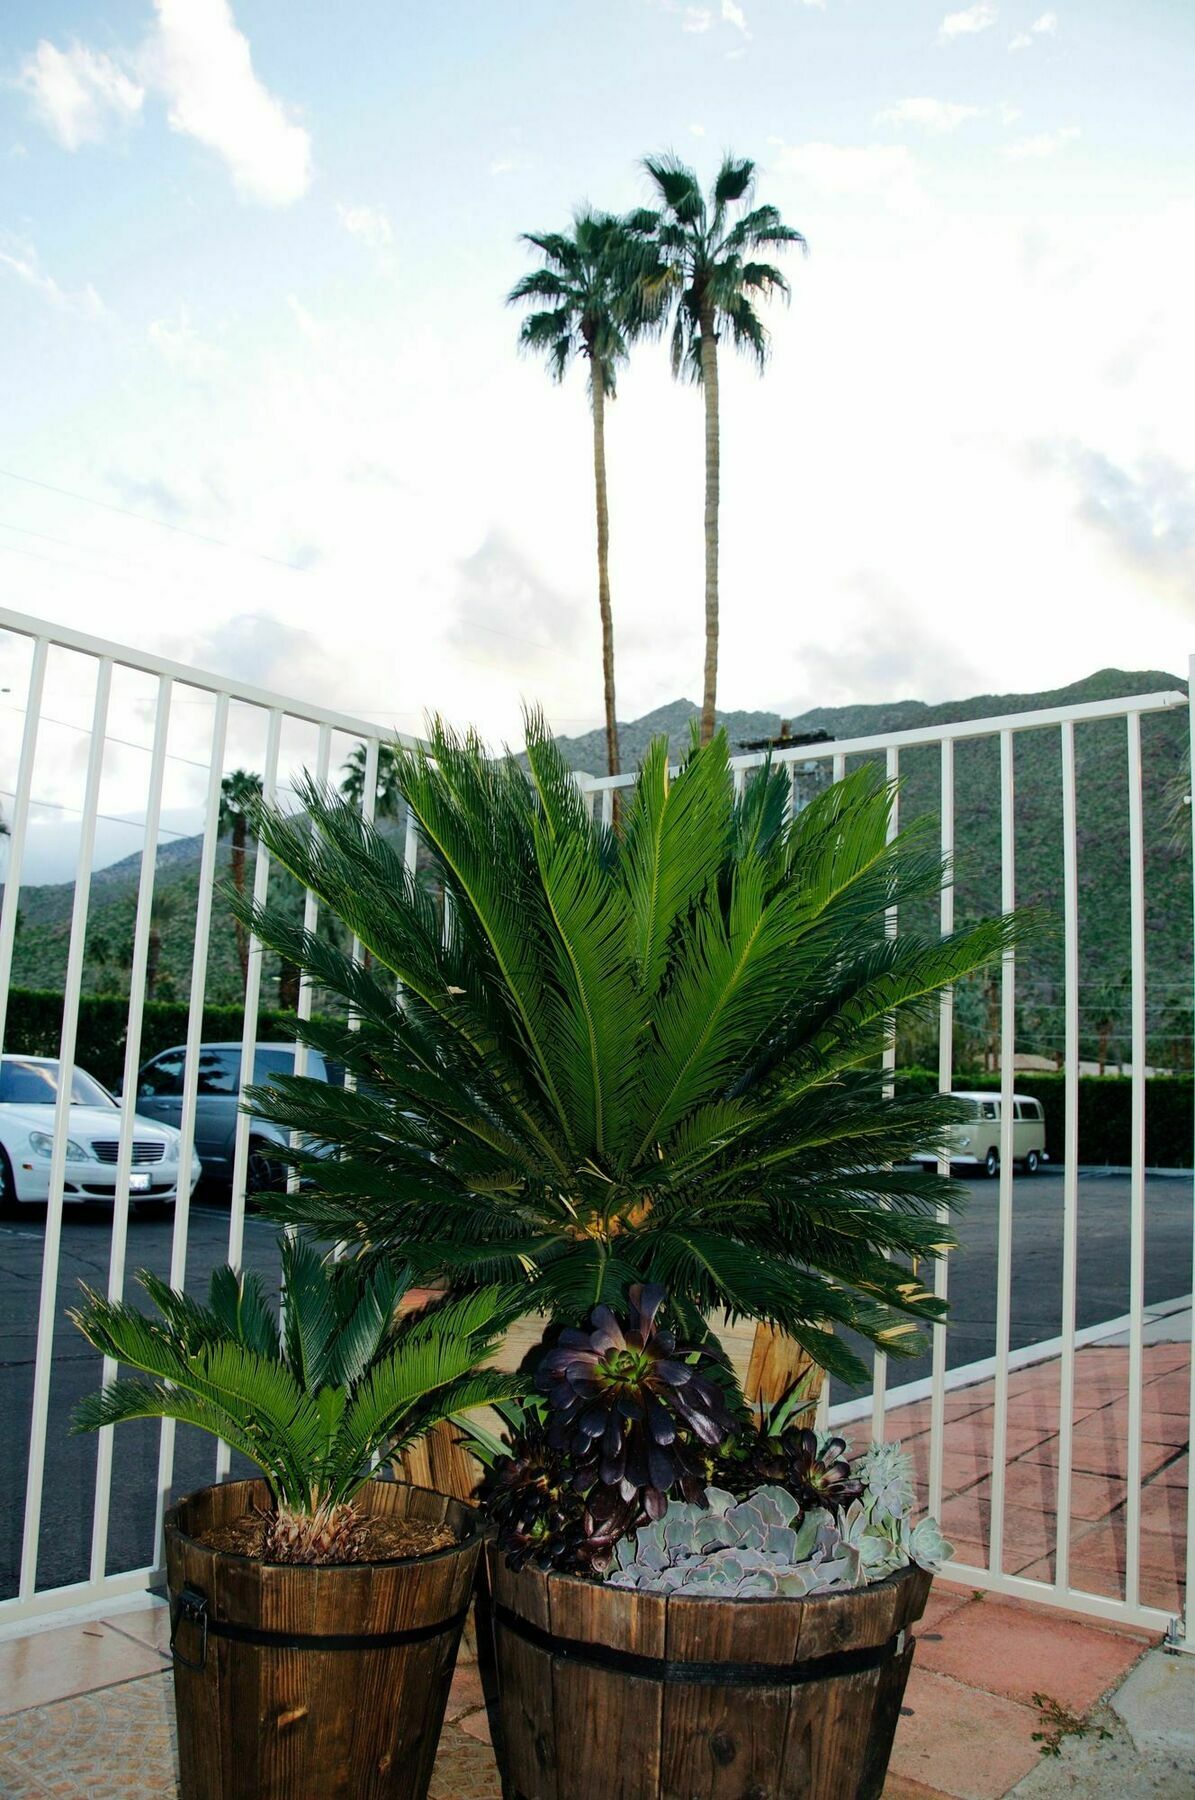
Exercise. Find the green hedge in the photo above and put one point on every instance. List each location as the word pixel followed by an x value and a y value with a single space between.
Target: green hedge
pixel 34 1026
pixel 1105 1113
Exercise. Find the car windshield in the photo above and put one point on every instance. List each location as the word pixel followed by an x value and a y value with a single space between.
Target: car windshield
pixel 36 1084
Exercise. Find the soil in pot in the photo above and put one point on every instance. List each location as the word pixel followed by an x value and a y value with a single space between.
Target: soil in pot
pixel 297 1682
pixel 381 1539
pixel 617 1694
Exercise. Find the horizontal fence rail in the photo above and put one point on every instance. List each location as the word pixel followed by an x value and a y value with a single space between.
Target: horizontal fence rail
pixel 201 724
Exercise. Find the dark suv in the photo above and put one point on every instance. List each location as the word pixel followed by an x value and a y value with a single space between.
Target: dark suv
pixel 160 1096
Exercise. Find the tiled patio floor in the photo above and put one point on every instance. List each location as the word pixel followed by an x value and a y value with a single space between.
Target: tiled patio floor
pixel 86 1710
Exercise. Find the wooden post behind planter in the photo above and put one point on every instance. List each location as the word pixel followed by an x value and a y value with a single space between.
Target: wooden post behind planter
pixel 301 1683
pixel 612 1694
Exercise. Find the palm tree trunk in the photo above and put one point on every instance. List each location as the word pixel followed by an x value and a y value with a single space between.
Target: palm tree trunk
pixel 603 556
pixel 709 382
pixel 237 861
pixel 153 959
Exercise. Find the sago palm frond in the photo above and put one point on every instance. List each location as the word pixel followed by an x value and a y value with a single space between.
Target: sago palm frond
pixel 647 1055
pixel 312 1403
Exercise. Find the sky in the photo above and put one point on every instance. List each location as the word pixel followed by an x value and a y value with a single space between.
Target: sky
pixel 264 411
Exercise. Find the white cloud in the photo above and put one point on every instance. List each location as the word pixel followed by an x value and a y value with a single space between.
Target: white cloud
pixel 885 173
pixel 182 347
pixel 1043 144
pixel 1045 26
pixel 931 115
pixel 697 18
pixel 734 15
pixel 369 223
pixel 81 96
pixel 979 17
pixel 23 261
pixel 202 64
pixel 697 130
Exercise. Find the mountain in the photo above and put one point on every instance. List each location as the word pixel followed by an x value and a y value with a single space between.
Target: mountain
pixel 1102 832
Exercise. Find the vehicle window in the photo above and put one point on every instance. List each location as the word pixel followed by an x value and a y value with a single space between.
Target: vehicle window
pixel 990 1109
pixel 972 1107
pixel 1033 1110
pixel 162 1078
pixel 36 1084
pixel 274 1062
pixel 1018 1109
pixel 219 1072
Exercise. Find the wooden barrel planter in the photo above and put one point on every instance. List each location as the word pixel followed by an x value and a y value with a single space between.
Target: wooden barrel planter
pixel 612 1694
pixel 301 1683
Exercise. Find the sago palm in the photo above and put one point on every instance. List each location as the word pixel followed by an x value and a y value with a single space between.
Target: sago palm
pixel 711 274
pixel 651 1054
pixel 313 1400
pixel 585 300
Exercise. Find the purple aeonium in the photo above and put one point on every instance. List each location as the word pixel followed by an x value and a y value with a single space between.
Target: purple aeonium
pixel 630 1410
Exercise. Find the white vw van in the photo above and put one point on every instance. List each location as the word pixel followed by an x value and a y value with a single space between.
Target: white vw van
pixel 975 1143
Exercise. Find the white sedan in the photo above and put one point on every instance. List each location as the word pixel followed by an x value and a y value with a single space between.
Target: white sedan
pixel 28 1092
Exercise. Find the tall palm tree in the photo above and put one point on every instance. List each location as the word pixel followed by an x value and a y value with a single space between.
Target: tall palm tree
pixel 163 908
pixel 239 794
pixel 708 252
pixel 587 282
pixel 388 793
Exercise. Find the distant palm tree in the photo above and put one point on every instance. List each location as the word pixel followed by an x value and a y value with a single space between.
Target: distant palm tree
pixel 588 284
pixel 707 253
pixel 239 793
pixel 388 794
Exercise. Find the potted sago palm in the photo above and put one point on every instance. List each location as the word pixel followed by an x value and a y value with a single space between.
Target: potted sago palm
pixel 617 1061
pixel 297 1596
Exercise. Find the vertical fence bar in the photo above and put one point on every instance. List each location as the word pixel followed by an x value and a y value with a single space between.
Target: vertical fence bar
pixel 19 824
pixel 879 1366
pixel 1132 1560
pixel 1070 1154
pixel 937 1403
pixel 186 1123
pixel 128 1103
pixel 839 766
pixel 1008 999
pixel 323 758
pixel 240 1153
pixel 47 1307
pixel 1187 1636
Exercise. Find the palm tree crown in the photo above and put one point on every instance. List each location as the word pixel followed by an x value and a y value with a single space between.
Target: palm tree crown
pixel 388 794
pixel 586 280
pixel 644 1055
pixel 709 257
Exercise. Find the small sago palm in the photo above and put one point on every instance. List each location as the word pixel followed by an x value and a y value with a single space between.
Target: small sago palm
pixel 712 279
pixel 587 305
pixel 312 1400
pixel 644 1055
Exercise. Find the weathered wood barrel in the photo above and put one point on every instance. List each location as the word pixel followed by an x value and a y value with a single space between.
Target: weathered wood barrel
pixel 612 1694
pixel 301 1683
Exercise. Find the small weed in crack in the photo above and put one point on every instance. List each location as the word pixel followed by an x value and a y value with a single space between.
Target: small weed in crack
pixel 1061 1723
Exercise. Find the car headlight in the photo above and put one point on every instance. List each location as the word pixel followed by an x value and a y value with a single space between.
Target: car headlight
pixel 964 1143
pixel 42 1144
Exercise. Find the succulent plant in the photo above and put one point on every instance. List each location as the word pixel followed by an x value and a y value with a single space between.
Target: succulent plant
pixel 630 1410
pixel 815 1471
pixel 770 1543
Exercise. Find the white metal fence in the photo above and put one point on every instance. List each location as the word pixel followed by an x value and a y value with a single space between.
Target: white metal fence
pixel 198 725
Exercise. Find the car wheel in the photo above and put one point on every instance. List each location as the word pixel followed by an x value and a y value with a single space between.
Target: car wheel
pixel 265 1174
pixel 8 1187
pixel 991 1164
pixel 1032 1163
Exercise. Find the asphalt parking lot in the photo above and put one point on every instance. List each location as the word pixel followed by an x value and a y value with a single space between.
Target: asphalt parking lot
pixel 1103 1293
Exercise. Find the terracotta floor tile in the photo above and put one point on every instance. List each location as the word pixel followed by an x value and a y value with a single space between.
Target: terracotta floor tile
pixel 945 1599
pixel 1175 1474
pixel 1019 1653
pixel 476 1724
pixel 1025 1528
pixel 976 1432
pixel 1101 1453
pixel 961 1741
pixel 75 1659
pixel 1035 1486
pixel 149 1625
pixel 899 1787
pixel 466 1693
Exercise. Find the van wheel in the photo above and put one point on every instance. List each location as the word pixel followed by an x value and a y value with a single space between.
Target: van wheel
pixel 1032 1163
pixel 991 1164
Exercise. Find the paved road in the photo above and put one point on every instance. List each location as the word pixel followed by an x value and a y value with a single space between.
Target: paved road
pixel 1103 1293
